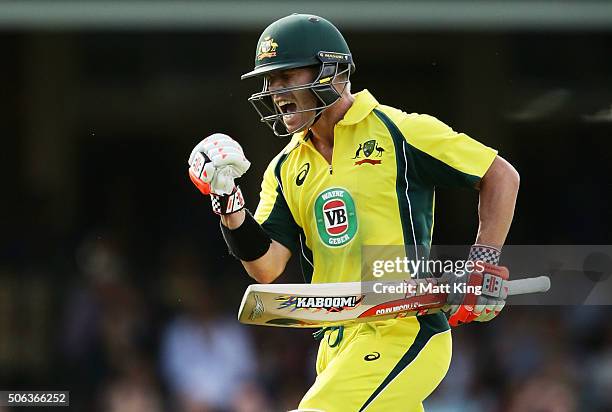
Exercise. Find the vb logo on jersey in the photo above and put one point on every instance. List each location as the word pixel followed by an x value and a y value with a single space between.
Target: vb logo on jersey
pixel 336 217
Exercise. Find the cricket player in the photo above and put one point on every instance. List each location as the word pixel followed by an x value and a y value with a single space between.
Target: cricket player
pixel 354 172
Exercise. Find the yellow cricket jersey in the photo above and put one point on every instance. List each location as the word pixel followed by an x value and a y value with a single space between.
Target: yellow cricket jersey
pixel 378 190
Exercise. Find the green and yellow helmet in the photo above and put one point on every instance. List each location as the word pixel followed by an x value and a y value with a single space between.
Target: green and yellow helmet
pixel 300 40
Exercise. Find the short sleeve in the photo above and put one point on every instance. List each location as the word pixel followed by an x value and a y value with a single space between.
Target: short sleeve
pixel 442 157
pixel 273 213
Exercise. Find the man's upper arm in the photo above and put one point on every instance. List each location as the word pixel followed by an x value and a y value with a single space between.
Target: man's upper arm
pixel 442 157
pixel 273 212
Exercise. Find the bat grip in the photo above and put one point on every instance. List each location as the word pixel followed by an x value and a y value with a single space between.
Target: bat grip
pixel 529 285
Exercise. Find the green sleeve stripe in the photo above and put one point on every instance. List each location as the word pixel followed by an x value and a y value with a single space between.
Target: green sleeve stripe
pixel 415 200
pixel 280 224
pixel 280 215
pixel 306 258
pixel 277 168
pixel 438 173
pixel 429 326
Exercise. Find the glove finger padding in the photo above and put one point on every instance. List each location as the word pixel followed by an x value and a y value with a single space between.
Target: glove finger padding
pixel 218 140
pixel 471 305
pixel 491 310
pixel 215 162
pixel 234 159
pixel 480 307
pixel 489 303
pixel 223 150
pixel 215 146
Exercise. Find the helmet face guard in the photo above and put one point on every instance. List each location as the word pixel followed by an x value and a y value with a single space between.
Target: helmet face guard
pixel 332 66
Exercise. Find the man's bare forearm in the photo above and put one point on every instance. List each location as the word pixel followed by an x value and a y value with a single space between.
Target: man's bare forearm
pixel 268 267
pixel 498 191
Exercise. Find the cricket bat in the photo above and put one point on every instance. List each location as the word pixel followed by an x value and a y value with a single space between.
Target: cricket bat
pixel 329 304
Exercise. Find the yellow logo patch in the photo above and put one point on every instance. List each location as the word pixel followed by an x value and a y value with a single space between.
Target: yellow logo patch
pixel 267 48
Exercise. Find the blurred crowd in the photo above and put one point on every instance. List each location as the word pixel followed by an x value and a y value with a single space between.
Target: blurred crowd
pixel 173 343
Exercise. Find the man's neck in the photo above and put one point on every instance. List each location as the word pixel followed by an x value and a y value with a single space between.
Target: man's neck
pixel 323 129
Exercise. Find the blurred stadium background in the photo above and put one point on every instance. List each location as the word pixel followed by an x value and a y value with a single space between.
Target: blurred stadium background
pixel 115 283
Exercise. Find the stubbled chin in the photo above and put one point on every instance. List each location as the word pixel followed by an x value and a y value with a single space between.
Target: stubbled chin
pixel 288 118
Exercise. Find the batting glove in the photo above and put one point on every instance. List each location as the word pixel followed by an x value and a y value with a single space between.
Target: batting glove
pixel 213 165
pixel 468 307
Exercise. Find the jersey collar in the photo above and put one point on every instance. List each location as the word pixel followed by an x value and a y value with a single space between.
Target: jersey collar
pixel 362 106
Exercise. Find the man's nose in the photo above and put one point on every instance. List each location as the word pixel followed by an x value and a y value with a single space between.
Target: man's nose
pixel 275 84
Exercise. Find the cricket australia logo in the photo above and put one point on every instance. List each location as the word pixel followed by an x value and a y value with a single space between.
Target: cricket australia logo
pixel 336 217
pixel 366 149
pixel 267 48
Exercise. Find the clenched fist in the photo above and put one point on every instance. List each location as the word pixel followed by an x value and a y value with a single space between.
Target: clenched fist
pixel 213 165
pixel 215 162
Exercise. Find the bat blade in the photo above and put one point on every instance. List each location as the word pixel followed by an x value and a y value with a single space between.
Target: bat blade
pixel 329 304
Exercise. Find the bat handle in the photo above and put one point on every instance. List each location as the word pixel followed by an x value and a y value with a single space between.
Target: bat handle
pixel 529 285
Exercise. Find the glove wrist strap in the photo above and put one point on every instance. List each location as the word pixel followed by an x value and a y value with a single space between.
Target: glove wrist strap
pixel 227 204
pixel 484 253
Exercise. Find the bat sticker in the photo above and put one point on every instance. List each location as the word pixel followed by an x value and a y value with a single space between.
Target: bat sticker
pixel 317 303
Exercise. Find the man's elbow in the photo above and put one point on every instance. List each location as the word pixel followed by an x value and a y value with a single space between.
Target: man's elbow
pixel 263 273
pixel 264 276
pixel 513 178
pixel 502 175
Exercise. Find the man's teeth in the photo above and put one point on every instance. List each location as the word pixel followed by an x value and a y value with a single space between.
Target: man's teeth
pixel 282 103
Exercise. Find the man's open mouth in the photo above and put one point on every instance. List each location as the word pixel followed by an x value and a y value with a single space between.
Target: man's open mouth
pixel 287 107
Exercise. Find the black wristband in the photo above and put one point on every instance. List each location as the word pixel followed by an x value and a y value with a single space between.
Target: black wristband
pixel 247 242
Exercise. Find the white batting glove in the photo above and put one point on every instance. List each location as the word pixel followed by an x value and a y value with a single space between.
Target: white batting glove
pixel 213 165
pixel 218 160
